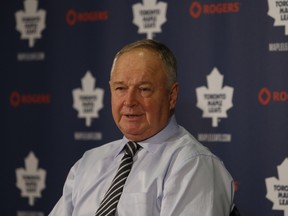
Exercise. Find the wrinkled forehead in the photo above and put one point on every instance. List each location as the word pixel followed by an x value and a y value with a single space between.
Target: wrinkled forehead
pixel 139 52
pixel 136 52
pixel 139 65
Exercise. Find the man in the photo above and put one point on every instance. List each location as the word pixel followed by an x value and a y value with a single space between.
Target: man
pixel 172 174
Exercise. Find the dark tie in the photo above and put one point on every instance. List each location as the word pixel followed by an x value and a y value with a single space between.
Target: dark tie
pixel 109 203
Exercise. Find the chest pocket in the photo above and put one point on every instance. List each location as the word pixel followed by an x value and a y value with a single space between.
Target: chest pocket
pixel 140 204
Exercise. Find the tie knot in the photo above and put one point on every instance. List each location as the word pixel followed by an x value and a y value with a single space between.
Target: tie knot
pixel 131 148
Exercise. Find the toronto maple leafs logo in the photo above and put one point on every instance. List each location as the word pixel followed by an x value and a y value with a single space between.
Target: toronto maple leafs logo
pixel 279 11
pixel 149 16
pixel 277 189
pixel 31 179
pixel 214 100
pixel 30 22
pixel 89 100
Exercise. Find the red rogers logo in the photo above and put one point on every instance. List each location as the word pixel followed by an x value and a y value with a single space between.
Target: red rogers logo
pixel 16 99
pixel 72 16
pixel 265 96
pixel 196 9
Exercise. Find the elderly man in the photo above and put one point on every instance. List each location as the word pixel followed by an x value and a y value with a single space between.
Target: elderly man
pixel 172 173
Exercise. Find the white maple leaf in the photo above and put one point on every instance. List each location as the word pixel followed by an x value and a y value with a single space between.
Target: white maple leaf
pixel 278 10
pixel 277 189
pixel 149 16
pixel 30 22
pixel 89 100
pixel 214 100
pixel 31 179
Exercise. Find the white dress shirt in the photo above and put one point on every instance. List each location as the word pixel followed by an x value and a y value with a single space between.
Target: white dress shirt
pixel 172 175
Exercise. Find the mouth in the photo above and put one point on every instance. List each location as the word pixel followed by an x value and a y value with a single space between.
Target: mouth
pixel 132 116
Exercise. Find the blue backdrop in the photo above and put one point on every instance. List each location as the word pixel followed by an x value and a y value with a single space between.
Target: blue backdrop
pixel 55 101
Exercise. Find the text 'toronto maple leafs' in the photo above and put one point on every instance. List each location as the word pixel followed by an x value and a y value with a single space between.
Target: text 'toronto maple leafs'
pixel 277 190
pixel 214 100
pixel 89 100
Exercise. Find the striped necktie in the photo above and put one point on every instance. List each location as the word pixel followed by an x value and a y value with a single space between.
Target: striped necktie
pixel 109 203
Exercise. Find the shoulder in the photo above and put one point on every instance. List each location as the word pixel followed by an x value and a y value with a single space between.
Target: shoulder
pixel 185 142
pixel 184 147
pixel 95 155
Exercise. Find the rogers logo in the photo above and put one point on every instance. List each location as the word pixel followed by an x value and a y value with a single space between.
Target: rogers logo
pixel 196 9
pixel 72 16
pixel 265 96
pixel 17 99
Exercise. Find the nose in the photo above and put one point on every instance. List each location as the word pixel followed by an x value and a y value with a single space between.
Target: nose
pixel 131 98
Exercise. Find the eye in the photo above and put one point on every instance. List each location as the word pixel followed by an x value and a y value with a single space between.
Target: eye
pixel 145 91
pixel 119 89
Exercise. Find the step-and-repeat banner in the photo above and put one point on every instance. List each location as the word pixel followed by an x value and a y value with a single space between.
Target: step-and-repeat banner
pixel 55 101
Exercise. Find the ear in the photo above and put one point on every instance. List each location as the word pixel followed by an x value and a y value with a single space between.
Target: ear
pixel 173 95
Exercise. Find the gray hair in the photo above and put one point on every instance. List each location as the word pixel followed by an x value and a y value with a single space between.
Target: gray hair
pixel 166 55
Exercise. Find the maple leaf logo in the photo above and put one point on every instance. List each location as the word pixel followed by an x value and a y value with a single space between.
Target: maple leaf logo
pixel 279 11
pixel 88 101
pixel 277 190
pixel 149 16
pixel 214 100
pixel 31 181
pixel 30 23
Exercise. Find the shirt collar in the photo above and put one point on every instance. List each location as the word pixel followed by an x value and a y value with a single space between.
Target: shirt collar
pixel 153 143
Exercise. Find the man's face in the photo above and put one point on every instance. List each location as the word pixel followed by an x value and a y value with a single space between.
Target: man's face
pixel 141 100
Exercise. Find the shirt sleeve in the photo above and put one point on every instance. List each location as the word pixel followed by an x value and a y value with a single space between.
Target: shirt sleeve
pixel 199 186
pixel 64 206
